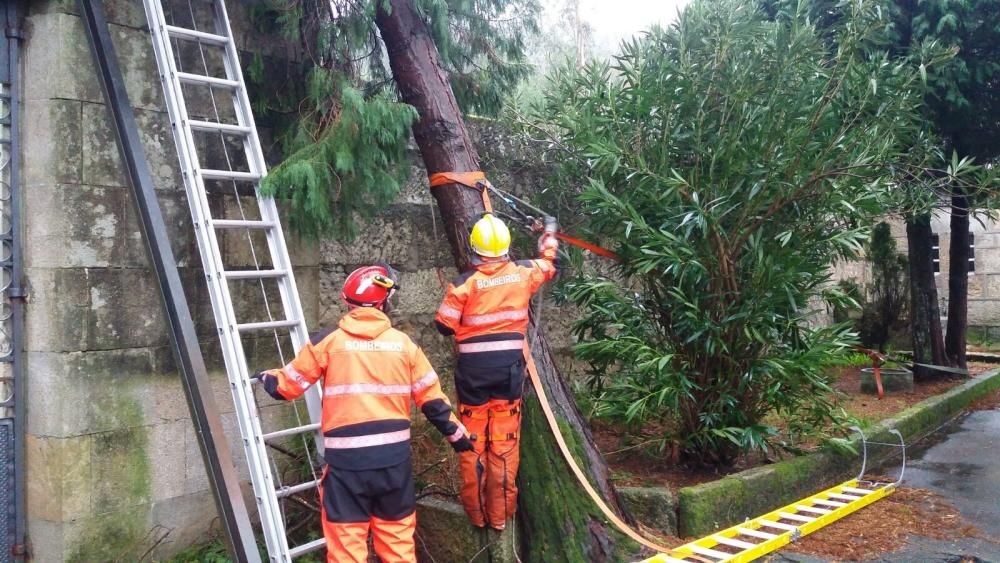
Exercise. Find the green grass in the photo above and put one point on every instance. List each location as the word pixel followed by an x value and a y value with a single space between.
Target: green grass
pixel 852 359
pixel 212 552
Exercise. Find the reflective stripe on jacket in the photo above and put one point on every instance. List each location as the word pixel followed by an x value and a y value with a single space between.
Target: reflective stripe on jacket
pixel 370 373
pixel 492 301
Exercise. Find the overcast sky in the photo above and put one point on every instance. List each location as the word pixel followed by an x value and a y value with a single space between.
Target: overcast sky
pixel 614 20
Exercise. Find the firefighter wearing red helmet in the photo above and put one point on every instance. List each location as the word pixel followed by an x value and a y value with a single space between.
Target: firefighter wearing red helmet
pixel 370 372
pixel 486 309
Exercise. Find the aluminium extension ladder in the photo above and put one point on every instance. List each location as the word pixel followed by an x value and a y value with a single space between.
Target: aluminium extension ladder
pixel 755 538
pixel 171 42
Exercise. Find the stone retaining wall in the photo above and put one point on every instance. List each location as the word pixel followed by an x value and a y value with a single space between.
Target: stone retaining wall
pixel 112 459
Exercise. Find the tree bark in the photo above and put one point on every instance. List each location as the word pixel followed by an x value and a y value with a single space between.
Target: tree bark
pixel 958 281
pixel 559 522
pixel 925 314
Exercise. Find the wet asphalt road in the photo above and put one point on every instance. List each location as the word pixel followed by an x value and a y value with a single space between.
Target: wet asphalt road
pixel 961 462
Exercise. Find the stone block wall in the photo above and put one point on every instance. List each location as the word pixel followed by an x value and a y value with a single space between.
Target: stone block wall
pixel 984 282
pixel 113 462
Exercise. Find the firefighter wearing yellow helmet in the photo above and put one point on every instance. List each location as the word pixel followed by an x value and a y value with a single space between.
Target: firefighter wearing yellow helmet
pixel 490 238
pixel 486 309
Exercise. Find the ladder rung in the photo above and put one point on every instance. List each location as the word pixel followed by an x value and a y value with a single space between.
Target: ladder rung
pixel 210 174
pixel 857 491
pixel 201 79
pixel 670 559
pixel 778 525
pixel 288 491
pixel 195 35
pixel 215 127
pixel 843 497
pixel 734 542
pixel 254 274
pixel 813 509
pixel 832 503
pixel 290 432
pixel 241 224
pixel 266 325
pixel 305 548
pixel 709 552
pixel 756 533
pixel 792 516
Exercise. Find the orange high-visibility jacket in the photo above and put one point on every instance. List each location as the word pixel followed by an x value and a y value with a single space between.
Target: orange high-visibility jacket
pixel 370 372
pixel 488 306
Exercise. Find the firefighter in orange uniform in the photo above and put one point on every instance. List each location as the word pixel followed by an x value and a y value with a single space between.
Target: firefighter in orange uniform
pixel 486 309
pixel 370 372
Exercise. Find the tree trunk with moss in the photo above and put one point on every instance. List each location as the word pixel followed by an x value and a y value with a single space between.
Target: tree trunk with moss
pixel 557 519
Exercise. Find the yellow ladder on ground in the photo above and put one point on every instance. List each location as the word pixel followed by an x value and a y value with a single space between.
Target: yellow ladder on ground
pixel 772 531
pixel 768 533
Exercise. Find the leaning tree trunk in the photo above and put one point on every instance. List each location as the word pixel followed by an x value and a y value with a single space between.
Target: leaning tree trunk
pixel 558 520
pixel 925 315
pixel 958 280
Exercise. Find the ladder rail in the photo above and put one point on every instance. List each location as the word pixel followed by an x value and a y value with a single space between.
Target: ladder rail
pixel 269 212
pixel 234 357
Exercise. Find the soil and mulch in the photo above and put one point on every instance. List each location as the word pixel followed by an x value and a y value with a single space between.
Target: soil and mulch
pixel 883 527
pixel 639 462
pixel 869 407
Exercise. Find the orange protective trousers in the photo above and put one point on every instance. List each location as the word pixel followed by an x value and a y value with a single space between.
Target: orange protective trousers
pixel 347 541
pixel 489 472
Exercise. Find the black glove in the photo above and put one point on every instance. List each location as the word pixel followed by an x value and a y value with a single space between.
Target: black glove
pixel 270 383
pixel 463 444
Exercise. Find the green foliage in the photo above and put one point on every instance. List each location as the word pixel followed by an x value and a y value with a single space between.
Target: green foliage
pixel 732 159
pixel 843 309
pixel 965 100
pixel 483 45
pixel 350 170
pixel 347 140
pixel 887 294
pixel 211 552
pixel 851 359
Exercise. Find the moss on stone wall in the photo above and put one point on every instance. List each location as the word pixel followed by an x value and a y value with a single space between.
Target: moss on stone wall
pixel 121 483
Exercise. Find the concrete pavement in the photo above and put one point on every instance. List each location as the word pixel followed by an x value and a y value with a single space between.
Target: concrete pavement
pixel 961 462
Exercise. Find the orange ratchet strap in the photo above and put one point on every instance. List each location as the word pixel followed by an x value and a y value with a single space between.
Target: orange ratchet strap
pixel 608 513
pixel 475 180
pixel 598 250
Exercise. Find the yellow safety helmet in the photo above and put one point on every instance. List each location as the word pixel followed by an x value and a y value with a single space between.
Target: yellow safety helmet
pixel 490 237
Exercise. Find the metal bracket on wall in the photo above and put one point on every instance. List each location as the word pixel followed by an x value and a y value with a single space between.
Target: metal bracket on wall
pixel 215 451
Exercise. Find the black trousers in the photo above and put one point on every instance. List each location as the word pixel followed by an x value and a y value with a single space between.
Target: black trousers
pixel 477 382
pixel 356 496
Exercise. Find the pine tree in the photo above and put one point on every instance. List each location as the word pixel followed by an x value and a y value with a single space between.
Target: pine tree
pixel 346 145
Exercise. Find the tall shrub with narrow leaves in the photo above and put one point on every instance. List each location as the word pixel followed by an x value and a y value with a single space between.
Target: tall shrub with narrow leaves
pixel 732 159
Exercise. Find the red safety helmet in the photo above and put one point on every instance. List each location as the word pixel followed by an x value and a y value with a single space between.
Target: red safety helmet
pixel 369 286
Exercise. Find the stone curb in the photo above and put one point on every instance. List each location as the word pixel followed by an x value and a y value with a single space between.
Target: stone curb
pixel 705 508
